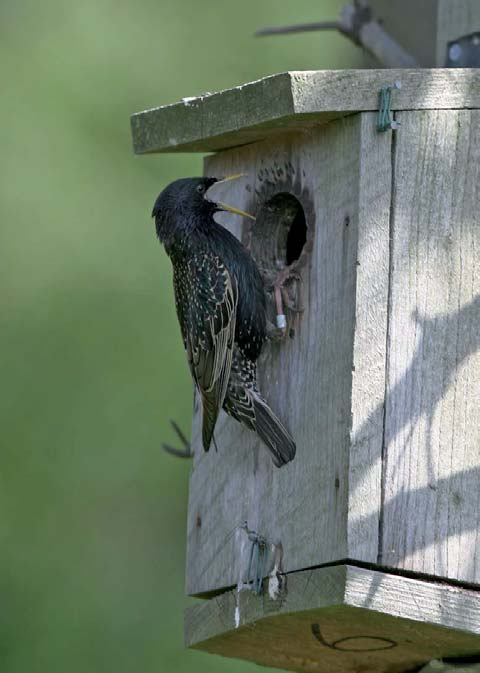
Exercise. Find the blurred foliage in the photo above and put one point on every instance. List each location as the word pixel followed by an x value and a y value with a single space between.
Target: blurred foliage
pixel 92 522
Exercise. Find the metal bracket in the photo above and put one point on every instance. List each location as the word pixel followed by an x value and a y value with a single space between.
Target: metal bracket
pixel 358 23
pixel 464 52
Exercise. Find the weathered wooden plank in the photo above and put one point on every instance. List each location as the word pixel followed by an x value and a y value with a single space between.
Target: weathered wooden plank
pixel 341 175
pixel 431 514
pixel 340 618
pixel 370 341
pixel 294 101
pixel 455 19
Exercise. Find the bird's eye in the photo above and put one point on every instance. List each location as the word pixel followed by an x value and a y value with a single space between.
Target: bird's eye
pixel 200 189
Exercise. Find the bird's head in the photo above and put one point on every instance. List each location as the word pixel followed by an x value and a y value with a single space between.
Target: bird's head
pixel 184 203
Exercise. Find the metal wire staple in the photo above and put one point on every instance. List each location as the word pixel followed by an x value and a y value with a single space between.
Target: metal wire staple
pixel 257 560
pixel 385 120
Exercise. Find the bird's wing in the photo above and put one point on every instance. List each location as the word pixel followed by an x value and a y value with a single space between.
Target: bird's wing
pixel 207 320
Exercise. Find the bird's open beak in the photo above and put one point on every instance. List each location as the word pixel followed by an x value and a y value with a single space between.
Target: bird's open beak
pixel 232 209
pixel 225 206
pixel 229 178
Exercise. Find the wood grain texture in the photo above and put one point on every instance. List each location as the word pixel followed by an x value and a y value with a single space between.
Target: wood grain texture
pixel 431 513
pixel 369 345
pixel 294 101
pixel 455 19
pixel 340 618
pixel 325 505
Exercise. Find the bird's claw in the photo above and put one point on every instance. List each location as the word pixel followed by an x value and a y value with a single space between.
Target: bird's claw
pixel 186 451
pixel 275 333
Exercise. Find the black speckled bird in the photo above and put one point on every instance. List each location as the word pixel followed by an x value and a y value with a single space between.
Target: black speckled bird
pixel 220 304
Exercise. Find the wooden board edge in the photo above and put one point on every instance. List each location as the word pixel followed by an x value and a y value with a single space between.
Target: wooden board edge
pixel 252 111
pixel 236 608
pixel 439 603
pixel 436 604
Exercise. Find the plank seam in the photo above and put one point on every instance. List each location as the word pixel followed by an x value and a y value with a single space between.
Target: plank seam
pixel 393 150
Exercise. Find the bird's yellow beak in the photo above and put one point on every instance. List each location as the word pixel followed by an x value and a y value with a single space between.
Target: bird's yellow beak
pixel 225 206
pixel 229 178
pixel 232 209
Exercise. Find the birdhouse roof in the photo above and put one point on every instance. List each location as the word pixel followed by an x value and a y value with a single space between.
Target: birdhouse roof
pixel 294 101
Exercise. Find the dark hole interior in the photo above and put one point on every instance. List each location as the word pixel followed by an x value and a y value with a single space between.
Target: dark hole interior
pixel 296 237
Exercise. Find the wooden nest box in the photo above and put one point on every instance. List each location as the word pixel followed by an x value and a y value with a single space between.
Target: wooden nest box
pixel 372 533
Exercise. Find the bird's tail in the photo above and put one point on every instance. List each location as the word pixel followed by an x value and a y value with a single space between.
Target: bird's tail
pixel 210 415
pixel 273 433
pixel 248 407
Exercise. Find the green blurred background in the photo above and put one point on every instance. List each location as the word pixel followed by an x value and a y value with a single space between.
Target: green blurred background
pixel 92 520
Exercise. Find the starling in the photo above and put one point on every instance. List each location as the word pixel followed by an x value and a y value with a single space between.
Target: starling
pixel 220 302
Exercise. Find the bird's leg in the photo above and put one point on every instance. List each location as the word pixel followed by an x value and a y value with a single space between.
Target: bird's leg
pixel 277 286
pixel 281 318
pixel 186 452
pixel 279 294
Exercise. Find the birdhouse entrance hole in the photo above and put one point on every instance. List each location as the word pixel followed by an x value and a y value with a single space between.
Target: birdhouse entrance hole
pixel 278 242
pixel 280 233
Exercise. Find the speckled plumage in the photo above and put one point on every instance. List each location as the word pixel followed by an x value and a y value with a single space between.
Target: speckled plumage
pixel 220 304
